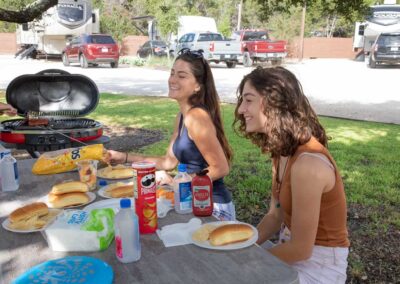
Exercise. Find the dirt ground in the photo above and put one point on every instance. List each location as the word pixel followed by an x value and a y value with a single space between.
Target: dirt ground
pixel 374 253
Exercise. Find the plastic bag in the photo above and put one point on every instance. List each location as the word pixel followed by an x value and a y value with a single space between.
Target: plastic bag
pixel 65 160
pixel 80 230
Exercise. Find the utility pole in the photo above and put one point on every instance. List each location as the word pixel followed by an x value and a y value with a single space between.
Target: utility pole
pixel 240 5
pixel 303 23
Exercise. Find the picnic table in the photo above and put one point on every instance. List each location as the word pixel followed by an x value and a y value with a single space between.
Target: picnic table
pixel 158 264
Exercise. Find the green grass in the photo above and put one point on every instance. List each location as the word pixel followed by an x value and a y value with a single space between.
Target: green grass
pixel 367 153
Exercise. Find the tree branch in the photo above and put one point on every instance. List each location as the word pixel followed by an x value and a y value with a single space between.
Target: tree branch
pixel 29 13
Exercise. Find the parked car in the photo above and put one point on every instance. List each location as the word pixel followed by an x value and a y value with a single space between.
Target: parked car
pixel 153 48
pixel 91 49
pixel 386 49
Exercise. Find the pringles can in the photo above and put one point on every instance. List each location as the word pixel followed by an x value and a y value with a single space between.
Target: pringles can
pixel 145 196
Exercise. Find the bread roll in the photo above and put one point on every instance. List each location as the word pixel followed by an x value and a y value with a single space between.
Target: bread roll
pixel 69 186
pixel 118 172
pixel 231 233
pixel 122 191
pixel 68 199
pixel 26 212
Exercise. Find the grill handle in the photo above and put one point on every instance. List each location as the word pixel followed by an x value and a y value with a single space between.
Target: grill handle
pixel 53 72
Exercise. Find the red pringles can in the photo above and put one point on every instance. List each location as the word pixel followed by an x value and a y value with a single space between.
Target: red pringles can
pixel 202 190
pixel 145 196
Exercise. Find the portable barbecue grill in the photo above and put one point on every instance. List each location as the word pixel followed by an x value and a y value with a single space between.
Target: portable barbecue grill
pixel 53 103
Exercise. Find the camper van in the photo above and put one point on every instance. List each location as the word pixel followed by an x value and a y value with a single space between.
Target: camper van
pixel 381 19
pixel 49 34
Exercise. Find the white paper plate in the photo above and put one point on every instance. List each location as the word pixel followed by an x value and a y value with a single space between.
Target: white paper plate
pixel 103 190
pixel 239 245
pixel 92 197
pixel 162 206
pixel 112 203
pixel 6 224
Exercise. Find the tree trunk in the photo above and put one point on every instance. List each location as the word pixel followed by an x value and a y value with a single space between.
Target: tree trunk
pixel 29 13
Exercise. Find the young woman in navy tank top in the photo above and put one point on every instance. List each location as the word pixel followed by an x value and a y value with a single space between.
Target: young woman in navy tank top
pixel 198 139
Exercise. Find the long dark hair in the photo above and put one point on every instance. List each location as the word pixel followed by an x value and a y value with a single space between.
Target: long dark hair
pixel 291 121
pixel 207 97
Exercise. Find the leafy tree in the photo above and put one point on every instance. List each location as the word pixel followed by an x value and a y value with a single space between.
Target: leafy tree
pixel 26 11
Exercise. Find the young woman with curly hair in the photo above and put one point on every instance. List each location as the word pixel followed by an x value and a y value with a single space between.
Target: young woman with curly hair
pixel 308 204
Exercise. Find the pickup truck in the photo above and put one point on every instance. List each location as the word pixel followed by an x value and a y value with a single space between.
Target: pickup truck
pixel 257 46
pixel 215 48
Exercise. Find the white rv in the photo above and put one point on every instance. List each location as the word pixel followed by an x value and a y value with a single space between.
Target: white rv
pixel 381 19
pixel 49 34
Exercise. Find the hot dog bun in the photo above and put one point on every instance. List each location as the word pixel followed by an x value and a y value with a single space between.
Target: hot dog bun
pixel 231 233
pixel 68 199
pixel 69 186
pixel 28 211
pixel 121 191
pixel 117 172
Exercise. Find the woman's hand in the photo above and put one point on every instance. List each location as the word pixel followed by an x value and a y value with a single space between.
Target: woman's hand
pixel 115 157
pixel 7 109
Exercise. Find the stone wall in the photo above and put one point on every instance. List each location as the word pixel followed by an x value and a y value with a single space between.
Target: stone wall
pixel 8 43
pixel 320 47
pixel 316 47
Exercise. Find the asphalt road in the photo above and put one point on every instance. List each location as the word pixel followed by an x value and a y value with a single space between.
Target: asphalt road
pixel 335 87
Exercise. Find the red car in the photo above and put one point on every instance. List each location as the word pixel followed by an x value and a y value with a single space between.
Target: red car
pixel 91 49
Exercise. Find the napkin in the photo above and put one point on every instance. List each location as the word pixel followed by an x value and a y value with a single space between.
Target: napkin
pixel 163 206
pixel 179 233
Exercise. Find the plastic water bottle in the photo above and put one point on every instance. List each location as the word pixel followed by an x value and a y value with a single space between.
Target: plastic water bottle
pixel 9 174
pixel 182 191
pixel 127 237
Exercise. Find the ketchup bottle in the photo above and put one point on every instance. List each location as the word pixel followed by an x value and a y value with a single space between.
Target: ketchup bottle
pixel 202 189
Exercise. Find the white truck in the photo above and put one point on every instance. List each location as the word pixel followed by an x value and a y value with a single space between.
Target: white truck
pixel 215 47
pixel 189 24
pixel 58 24
pixel 381 19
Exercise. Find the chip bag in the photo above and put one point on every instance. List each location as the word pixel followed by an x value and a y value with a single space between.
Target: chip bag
pixel 65 160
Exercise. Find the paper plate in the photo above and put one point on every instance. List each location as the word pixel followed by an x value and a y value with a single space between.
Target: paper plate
pixel 103 190
pixel 6 223
pixel 70 269
pixel 238 245
pixel 92 197
pixel 162 206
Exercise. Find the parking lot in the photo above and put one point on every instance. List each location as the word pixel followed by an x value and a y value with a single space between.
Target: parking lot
pixel 335 87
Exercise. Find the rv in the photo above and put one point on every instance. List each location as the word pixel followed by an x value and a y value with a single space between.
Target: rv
pixel 381 19
pixel 49 34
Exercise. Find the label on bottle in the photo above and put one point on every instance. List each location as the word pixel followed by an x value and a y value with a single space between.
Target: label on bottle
pixel 185 195
pixel 118 247
pixel 201 196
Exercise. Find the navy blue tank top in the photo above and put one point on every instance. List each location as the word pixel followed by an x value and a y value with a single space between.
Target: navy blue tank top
pixel 186 152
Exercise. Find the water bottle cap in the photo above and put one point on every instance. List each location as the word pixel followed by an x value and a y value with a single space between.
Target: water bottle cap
pixel 102 182
pixel 182 168
pixel 125 203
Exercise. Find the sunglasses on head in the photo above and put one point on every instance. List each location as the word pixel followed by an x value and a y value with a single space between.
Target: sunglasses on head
pixel 192 53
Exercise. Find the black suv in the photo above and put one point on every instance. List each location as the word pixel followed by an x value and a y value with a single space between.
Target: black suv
pixel 386 49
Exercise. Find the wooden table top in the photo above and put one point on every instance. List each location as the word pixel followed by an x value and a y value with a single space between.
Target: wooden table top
pixel 158 264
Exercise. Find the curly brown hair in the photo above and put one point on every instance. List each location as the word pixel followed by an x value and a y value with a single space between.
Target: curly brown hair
pixel 291 121
pixel 207 98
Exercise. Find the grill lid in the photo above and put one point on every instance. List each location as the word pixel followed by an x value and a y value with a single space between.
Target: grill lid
pixel 51 92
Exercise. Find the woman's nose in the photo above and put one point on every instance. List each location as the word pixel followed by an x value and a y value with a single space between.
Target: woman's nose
pixel 241 108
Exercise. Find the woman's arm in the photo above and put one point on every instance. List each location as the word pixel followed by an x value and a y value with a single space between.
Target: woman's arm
pixel 7 109
pixel 310 178
pixel 166 162
pixel 202 131
pixel 270 223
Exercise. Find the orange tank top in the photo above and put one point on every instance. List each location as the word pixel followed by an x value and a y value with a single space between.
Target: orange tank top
pixel 332 224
